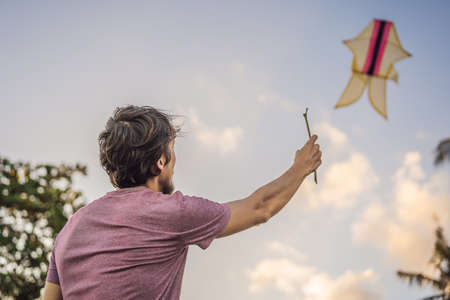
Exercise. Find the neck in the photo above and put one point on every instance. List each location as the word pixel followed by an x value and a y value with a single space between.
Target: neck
pixel 153 184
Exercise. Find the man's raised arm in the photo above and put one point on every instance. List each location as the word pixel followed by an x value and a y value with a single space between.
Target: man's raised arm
pixel 269 199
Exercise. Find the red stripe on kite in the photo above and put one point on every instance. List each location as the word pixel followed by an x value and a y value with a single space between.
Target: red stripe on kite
pixel 372 46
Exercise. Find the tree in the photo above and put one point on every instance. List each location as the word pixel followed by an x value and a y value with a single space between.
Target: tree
pixel 35 204
pixel 441 263
pixel 441 256
pixel 442 151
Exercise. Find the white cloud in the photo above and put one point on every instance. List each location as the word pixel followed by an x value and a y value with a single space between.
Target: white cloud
pixel 344 181
pixel 341 184
pixel 283 273
pixel 348 286
pixel 341 180
pixel 304 282
pixel 337 138
pixel 411 168
pixel 301 281
pixel 225 140
pixel 404 228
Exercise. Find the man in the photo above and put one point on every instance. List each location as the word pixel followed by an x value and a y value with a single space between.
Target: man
pixel 132 243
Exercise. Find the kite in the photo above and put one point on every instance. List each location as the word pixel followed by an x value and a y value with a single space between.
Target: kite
pixel 375 51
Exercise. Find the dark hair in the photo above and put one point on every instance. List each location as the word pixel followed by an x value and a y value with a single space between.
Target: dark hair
pixel 134 139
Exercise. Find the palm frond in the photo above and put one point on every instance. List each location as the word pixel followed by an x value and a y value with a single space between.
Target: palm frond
pixel 420 279
pixel 441 255
pixel 442 151
pixel 434 297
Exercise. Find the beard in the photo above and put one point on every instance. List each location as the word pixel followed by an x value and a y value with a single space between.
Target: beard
pixel 167 187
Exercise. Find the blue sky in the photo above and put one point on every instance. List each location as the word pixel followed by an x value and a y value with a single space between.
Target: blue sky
pixel 242 74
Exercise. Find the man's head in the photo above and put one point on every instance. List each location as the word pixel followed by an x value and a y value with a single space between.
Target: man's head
pixel 137 146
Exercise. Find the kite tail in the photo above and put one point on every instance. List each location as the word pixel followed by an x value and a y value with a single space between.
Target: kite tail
pixel 353 90
pixel 377 95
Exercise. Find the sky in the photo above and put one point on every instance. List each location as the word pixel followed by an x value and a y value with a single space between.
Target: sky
pixel 242 74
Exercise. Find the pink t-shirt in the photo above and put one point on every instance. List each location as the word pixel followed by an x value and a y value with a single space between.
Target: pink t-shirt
pixel 132 243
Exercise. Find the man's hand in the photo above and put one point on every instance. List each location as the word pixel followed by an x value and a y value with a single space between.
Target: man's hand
pixel 309 157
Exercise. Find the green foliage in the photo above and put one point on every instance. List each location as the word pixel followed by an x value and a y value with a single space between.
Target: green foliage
pixel 441 264
pixel 442 151
pixel 35 204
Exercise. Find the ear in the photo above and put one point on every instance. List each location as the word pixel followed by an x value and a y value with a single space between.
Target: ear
pixel 161 162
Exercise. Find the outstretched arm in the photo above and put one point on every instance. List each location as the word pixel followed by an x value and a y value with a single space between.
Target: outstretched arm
pixel 269 199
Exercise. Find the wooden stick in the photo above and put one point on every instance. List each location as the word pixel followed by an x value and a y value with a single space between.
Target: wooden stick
pixel 309 133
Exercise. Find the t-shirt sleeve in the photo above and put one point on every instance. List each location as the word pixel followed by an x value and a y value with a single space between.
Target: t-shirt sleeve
pixel 52 274
pixel 201 220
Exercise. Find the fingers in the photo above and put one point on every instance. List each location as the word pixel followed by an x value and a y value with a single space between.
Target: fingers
pixel 317 164
pixel 317 155
pixel 313 139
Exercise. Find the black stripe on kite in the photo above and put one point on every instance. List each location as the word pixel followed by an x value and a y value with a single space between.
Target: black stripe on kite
pixel 376 47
